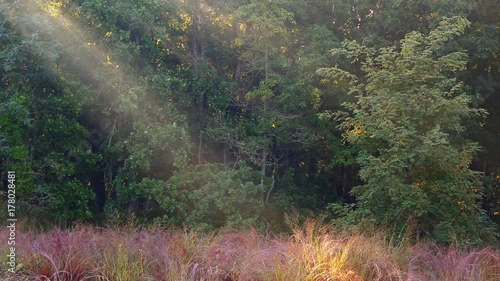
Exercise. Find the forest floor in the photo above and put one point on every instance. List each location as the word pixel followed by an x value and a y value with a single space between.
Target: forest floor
pixel 311 252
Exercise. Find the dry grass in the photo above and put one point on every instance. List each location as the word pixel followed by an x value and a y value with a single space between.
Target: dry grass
pixel 312 253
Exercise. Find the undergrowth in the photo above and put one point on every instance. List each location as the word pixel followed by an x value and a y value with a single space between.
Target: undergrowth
pixel 313 252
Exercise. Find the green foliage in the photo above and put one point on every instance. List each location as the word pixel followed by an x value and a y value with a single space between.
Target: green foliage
pixel 69 200
pixel 41 138
pixel 219 196
pixel 408 122
pixel 108 105
pixel 204 197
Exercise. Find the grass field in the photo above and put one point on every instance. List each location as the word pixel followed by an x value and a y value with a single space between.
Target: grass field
pixel 311 252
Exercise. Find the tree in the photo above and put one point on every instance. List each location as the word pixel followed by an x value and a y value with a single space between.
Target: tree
pixel 408 121
pixel 40 135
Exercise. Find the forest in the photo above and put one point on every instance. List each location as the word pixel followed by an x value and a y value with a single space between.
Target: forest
pixel 208 116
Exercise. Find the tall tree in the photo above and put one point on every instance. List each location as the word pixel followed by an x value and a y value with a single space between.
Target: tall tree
pixel 408 119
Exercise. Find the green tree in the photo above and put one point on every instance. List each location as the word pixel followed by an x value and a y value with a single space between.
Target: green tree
pixel 41 138
pixel 408 120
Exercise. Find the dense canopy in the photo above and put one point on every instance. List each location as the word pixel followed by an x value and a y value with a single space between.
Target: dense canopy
pixel 207 113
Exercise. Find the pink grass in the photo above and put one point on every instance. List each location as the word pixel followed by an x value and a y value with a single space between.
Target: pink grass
pixel 312 253
pixel 431 262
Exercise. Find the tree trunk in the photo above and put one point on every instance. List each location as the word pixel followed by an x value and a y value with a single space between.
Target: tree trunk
pixel 197 53
pixel 263 163
pixel 268 195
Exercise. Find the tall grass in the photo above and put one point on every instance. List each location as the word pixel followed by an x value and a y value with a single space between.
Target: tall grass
pixel 431 262
pixel 313 252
